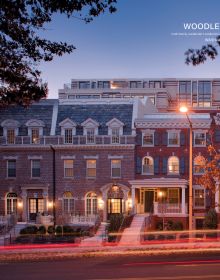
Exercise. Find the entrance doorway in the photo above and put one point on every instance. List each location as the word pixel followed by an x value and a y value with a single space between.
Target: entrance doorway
pixel 148 201
pixel 36 205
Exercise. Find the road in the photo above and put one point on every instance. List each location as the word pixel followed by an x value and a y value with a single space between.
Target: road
pixel 180 267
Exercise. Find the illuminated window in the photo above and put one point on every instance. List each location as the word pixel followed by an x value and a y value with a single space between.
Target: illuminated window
pixel 173 138
pixel 91 168
pixel 11 203
pixel 173 165
pixel 114 206
pixel 199 138
pixel 68 168
pixel 35 136
pixel 199 198
pixel 68 203
pixel 148 138
pixel 147 165
pixel 199 165
pixel 68 136
pixel 10 136
pixel 116 168
pixel 91 204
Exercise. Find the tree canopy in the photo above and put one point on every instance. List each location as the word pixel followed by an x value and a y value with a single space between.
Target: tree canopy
pixel 198 56
pixel 22 49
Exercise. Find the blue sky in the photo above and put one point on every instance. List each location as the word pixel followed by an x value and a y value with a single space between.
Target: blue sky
pixel 135 42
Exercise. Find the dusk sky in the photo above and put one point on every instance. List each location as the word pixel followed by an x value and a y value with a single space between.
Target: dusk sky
pixel 135 42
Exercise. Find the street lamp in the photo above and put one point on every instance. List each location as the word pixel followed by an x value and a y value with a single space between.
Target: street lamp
pixel 184 109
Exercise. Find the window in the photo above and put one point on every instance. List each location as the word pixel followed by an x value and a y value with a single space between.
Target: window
pixel 11 168
pixel 35 168
pixel 204 94
pixel 10 136
pixel 185 92
pixel 85 84
pixel 173 138
pixel 173 165
pixel 68 203
pixel 68 168
pixel 91 168
pixel 148 165
pixel 68 136
pixel 11 203
pixel 115 135
pixel 35 136
pixel 91 204
pixel 173 196
pixel 116 168
pixel 114 206
pixel 90 135
pixel 199 198
pixel 199 164
pixel 199 138
pixel 148 138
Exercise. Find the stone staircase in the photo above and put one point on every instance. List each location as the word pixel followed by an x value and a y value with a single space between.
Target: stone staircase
pixel 97 239
pixel 131 236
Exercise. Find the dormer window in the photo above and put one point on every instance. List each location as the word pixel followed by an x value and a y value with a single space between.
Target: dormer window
pixel 10 130
pixel 35 130
pixel 68 130
pixel 90 130
pixel 115 130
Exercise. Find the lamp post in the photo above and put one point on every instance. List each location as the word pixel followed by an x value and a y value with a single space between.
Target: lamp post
pixel 184 109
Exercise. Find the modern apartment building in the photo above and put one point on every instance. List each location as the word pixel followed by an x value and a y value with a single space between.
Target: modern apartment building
pixel 107 147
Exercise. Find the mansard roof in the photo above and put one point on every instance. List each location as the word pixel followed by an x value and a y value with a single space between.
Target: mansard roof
pixel 40 111
pixel 101 113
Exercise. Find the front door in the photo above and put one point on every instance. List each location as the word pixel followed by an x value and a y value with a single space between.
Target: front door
pixel 36 205
pixel 148 201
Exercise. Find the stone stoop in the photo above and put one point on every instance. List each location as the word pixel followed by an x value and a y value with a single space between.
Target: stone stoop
pixel 131 236
pixel 97 239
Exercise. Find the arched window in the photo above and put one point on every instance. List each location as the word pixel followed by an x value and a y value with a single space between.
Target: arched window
pixel 11 203
pixel 147 165
pixel 68 203
pixel 91 204
pixel 173 165
pixel 198 165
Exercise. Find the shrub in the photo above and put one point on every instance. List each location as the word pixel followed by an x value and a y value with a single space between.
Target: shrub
pixel 115 222
pixel 51 230
pixel 177 226
pixel 159 225
pixel 211 219
pixel 42 230
pixel 170 237
pixel 161 237
pixel 59 230
pixel 69 229
pixel 151 237
pixel 29 230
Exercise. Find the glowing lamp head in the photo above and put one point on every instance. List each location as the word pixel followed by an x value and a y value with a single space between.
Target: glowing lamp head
pixel 160 194
pixel 183 109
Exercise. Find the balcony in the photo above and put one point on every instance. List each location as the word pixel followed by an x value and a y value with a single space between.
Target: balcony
pixel 76 140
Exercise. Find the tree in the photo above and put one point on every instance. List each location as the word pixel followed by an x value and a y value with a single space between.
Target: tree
pixel 198 56
pixel 22 49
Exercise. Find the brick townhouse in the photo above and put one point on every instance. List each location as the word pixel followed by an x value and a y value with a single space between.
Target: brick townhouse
pixel 109 146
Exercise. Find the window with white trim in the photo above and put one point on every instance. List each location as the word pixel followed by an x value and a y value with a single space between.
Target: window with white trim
pixel 116 168
pixel 35 168
pixel 10 136
pixel 35 136
pixel 11 168
pixel 11 203
pixel 68 168
pixel 147 165
pixel 148 138
pixel 91 204
pixel 173 138
pixel 91 168
pixel 68 203
pixel 199 197
pixel 173 165
pixel 90 135
pixel 199 165
pixel 68 136
pixel 199 138
pixel 115 135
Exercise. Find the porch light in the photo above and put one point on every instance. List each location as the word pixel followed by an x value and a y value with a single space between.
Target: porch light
pixel 129 203
pixel 100 204
pixel 50 204
pixel 160 194
pixel 20 204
